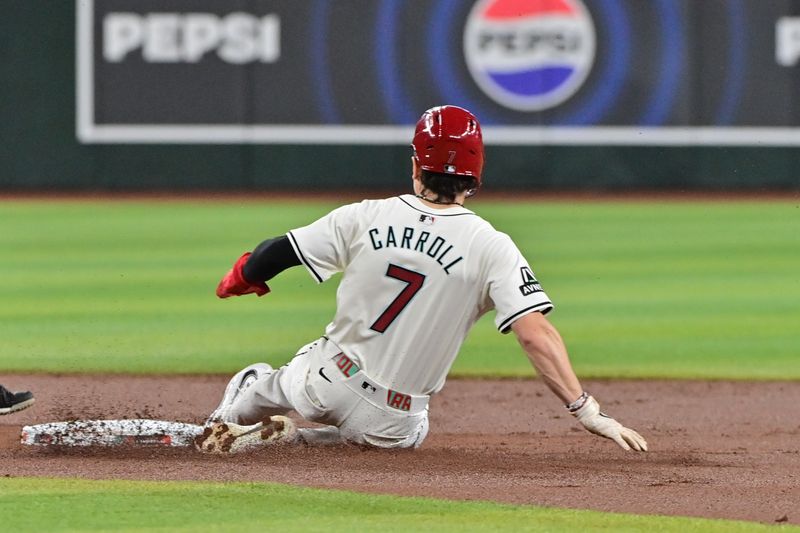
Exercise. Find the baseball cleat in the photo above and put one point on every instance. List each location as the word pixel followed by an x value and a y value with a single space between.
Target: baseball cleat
pixel 236 386
pixel 11 402
pixel 225 437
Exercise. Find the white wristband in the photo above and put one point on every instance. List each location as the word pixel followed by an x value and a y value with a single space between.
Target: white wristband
pixel 577 404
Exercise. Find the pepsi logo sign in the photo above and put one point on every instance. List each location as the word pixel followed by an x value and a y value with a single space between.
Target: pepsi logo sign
pixel 529 55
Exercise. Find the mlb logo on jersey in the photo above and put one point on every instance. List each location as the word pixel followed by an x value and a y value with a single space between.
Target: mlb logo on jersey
pixel 529 55
pixel 427 219
pixel 529 283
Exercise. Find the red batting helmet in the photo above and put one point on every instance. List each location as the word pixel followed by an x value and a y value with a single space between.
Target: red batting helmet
pixel 448 140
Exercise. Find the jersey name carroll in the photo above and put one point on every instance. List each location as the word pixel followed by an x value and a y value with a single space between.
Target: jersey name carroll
pixel 414 282
pixel 434 246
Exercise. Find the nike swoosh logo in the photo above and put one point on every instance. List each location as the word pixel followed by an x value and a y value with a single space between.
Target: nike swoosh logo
pixel 247 375
pixel 324 376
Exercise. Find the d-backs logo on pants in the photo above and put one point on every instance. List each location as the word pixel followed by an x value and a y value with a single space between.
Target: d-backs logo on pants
pixel 529 55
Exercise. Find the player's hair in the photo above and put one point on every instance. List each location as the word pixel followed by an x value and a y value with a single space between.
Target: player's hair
pixel 447 186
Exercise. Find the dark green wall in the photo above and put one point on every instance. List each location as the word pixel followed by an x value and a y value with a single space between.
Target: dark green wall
pixel 39 149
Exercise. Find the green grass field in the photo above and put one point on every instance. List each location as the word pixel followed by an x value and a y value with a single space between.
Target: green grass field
pixel 63 505
pixel 686 290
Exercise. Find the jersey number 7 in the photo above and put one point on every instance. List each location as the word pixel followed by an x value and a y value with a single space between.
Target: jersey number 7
pixel 414 282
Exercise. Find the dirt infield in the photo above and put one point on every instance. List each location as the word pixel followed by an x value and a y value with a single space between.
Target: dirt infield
pixel 718 449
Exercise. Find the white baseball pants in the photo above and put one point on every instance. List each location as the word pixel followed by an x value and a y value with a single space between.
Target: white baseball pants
pixel 319 385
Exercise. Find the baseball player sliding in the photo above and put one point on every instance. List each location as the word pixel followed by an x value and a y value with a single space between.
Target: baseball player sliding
pixel 418 271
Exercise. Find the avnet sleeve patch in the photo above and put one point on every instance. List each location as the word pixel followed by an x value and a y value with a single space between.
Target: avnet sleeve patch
pixel 529 283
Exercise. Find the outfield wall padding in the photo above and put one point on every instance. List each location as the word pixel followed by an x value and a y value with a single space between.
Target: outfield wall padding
pixel 693 78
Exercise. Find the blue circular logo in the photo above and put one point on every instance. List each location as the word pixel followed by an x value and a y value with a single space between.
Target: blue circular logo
pixel 529 55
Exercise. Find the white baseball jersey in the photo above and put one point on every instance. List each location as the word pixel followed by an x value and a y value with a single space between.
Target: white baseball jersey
pixel 415 280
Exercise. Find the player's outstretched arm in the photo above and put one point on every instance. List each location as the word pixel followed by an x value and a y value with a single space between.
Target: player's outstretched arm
pixel 250 273
pixel 546 351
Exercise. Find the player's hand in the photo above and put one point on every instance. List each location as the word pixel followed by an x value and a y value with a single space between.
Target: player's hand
pixel 601 424
pixel 235 284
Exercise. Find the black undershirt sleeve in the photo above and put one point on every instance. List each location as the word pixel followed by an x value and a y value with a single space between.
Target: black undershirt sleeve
pixel 269 259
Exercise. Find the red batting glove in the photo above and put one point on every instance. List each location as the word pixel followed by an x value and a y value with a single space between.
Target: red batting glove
pixel 235 284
